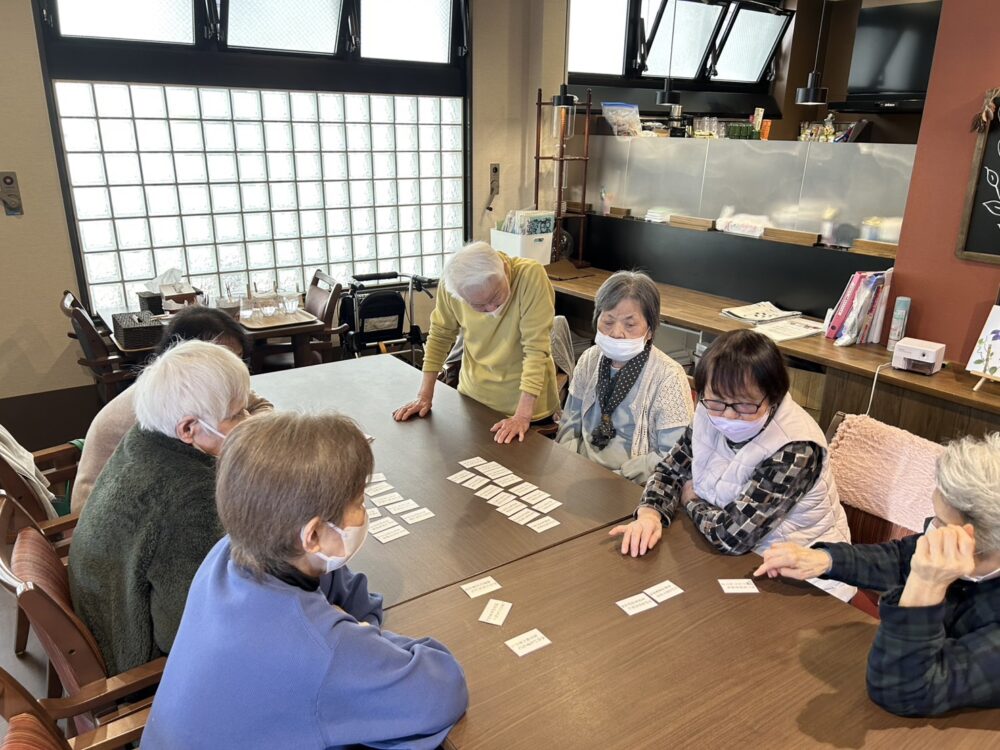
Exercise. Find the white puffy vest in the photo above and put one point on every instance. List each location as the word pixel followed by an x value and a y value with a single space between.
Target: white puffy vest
pixel 719 475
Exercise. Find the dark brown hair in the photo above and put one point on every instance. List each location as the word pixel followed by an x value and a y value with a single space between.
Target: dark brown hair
pixel 205 324
pixel 279 470
pixel 740 358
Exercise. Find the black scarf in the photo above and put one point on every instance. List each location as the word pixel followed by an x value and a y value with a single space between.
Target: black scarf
pixel 610 395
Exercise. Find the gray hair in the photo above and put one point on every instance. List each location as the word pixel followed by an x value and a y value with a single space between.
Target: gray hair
pixel 629 285
pixel 475 265
pixel 190 379
pixel 968 477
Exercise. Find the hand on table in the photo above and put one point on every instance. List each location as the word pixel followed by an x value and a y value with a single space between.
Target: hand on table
pixel 512 427
pixel 642 534
pixel 794 561
pixel 420 407
pixel 942 556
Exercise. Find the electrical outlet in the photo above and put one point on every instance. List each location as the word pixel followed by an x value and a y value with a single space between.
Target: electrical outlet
pixel 494 179
pixel 10 194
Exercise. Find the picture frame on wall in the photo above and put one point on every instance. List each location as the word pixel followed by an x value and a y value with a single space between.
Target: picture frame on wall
pixel 979 232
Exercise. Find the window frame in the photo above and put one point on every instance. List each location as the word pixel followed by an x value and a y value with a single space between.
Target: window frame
pixel 211 62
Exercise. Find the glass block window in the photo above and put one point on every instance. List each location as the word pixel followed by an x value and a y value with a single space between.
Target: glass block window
pixel 232 186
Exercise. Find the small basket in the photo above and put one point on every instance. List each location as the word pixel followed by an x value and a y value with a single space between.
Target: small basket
pixel 137 330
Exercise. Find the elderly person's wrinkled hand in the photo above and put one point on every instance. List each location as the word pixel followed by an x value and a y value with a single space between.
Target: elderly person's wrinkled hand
pixel 421 407
pixel 794 561
pixel 513 427
pixel 944 555
pixel 642 534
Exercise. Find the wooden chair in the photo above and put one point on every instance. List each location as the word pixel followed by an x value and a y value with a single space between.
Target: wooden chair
pixel 323 301
pixel 42 589
pixel 32 723
pixel 106 367
pixel 57 464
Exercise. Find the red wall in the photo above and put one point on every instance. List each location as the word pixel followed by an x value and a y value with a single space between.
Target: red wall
pixel 951 297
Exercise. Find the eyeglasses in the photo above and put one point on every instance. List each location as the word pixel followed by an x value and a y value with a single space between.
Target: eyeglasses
pixel 740 408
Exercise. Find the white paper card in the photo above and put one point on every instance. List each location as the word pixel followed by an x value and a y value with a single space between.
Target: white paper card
pixel 475 483
pixel 495 612
pixel 373 512
pixel 378 488
pixel 528 642
pixel 480 587
pixel 543 524
pixel 470 462
pixel 523 488
pixel 663 591
pixel 738 586
pixel 523 516
pixel 501 499
pixel 488 491
pixel 493 470
pixel 383 500
pixel 535 496
pixel 548 504
pixel 512 507
pixel 402 507
pixel 507 480
pixel 635 604
pixel 461 476
pixel 417 516
pixel 389 534
pixel 381 525
pixel 380 477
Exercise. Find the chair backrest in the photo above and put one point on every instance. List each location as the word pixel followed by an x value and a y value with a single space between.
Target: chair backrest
pixel 91 341
pixel 31 727
pixel 44 596
pixel 885 477
pixel 68 303
pixel 20 490
pixel 323 298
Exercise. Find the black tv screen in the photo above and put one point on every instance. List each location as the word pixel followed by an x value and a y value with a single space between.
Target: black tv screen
pixel 893 50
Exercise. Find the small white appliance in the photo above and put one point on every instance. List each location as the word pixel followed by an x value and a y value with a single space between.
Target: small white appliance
pixel 916 355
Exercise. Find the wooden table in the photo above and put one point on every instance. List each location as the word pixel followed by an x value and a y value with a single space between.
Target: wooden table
pixel 781 669
pixel 467 537
pixel 940 406
pixel 300 333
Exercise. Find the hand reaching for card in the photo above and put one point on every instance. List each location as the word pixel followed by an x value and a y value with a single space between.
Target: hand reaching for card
pixel 794 561
pixel 642 534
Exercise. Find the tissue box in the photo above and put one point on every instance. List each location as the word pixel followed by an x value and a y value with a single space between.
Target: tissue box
pixel 535 246
pixel 137 330
pixel 151 301
pixel 181 293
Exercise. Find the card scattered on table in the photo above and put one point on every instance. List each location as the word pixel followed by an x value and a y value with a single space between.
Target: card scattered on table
pixel 470 462
pixel 512 507
pixel 388 498
pixel 528 642
pixel 543 524
pixel 523 516
pixel 402 507
pixel 523 488
pixel 461 476
pixel 376 478
pixel 475 483
pixel 495 612
pixel 389 534
pixel 493 470
pixel 480 587
pixel 635 604
pixel 488 491
pixel 373 512
pixel 501 498
pixel 507 480
pixel 738 586
pixel 376 527
pixel 535 496
pixel 378 488
pixel 548 504
pixel 663 591
pixel 417 516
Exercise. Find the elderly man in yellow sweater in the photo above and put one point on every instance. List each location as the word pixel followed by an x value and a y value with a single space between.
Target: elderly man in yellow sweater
pixel 504 307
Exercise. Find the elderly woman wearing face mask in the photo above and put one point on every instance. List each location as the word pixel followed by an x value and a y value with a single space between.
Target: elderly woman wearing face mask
pixel 628 401
pixel 504 307
pixel 938 643
pixel 752 469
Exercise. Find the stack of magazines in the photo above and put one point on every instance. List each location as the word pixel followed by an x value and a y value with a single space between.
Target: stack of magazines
pixel 773 322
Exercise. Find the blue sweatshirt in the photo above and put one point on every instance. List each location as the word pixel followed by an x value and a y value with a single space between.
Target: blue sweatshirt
pixel 266 664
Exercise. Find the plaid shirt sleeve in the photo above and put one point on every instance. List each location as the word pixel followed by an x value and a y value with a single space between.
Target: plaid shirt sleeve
pixel 879 567
pixel 775 486
pixel 663 488
pixel 915 669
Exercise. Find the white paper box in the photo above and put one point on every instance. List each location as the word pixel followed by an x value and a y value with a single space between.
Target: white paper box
pixel 535 246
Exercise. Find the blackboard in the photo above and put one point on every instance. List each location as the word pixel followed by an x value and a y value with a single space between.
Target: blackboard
pixel 980 235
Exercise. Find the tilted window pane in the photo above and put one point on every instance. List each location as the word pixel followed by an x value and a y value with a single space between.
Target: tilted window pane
pixel 749 46
pixel 597 36
pixel 303 26
pixel 696 24
pixel 418 30
pixel 149 21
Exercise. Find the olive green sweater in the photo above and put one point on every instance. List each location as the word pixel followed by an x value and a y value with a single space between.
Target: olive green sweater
pixel 146 528
pixel 505 355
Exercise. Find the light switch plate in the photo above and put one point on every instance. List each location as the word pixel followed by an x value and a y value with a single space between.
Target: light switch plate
pixel 10 194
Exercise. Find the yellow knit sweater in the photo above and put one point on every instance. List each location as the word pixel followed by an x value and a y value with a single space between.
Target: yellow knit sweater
pixel 506 355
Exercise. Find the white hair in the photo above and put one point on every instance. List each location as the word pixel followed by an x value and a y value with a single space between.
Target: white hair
pixel 968 477
pixel 190 379
pixel 474 266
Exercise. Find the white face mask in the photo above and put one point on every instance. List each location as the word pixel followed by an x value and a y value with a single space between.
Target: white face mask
pixel 353 536
pixel 739 430
pixel 619 350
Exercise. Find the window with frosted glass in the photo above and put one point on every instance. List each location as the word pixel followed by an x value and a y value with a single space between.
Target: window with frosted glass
pixel 749 46
pixel 232 186
pixel 149 21
pixel 695 29
pixel 597 36
pixel 417 30
pixel 306 26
